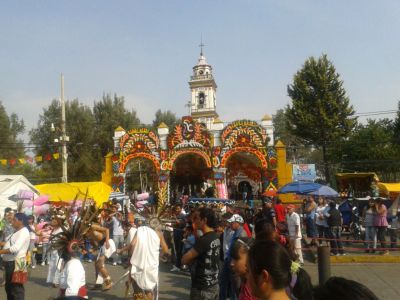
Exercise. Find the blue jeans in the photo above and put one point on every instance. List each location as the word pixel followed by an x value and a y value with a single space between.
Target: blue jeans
pixel 335 236
pixel 370 237
pixel 323 232
pixel 311 228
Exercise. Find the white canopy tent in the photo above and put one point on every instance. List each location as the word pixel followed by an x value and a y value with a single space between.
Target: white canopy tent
pixel 11 187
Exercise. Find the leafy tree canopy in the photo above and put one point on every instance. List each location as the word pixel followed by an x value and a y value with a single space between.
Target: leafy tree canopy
pixel 11 146
pixel 84 159
pixel 168 117
pixel 371 149
pixel 320 111
pixel 109 113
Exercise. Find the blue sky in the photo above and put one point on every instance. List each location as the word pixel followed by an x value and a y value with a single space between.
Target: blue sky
pixel 145 51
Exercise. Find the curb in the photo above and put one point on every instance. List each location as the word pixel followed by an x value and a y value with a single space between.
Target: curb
pixel 364 259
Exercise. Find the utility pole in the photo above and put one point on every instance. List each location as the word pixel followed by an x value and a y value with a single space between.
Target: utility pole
pixel 64 138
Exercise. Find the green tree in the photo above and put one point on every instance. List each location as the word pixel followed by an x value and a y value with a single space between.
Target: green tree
pixel 11 146
pixel 320 113
pixel 168 117
pixel 281 132
pixel 109 113
pixel 370 148
pixel 84 159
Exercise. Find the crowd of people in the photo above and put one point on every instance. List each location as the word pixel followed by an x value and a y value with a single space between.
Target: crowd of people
pixel 230 253
pixel 232 260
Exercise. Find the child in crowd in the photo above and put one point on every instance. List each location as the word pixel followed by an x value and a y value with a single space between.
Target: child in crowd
pixel 273 274
pixel 240 252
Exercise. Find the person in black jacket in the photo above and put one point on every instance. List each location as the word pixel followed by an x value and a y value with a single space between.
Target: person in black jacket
pixel 334 219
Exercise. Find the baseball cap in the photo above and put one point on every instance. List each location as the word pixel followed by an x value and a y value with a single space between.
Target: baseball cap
pixel 290 206
pixel 236 218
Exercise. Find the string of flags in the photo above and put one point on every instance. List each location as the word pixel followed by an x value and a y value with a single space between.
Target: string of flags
pixel 29 159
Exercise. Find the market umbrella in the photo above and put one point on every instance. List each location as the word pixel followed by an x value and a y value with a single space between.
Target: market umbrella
pixel 324 191
pixel 299 187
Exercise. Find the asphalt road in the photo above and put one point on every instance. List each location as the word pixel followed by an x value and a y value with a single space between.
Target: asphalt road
pixel 172 285
pixel 382 279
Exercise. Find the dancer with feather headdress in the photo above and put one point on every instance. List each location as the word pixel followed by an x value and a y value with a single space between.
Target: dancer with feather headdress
pixel 68 242
pixel 55 261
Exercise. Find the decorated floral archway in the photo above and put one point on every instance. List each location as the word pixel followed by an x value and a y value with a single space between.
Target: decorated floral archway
pixel 166 146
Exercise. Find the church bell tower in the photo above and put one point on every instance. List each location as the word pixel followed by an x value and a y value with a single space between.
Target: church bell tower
pixel 203 92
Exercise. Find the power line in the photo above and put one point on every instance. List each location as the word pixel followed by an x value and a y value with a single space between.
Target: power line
pixel 375 113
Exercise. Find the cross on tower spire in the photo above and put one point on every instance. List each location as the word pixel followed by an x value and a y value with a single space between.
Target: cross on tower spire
pixel 201 46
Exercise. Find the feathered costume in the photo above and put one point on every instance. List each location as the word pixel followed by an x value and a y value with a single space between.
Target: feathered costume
pixel 68 243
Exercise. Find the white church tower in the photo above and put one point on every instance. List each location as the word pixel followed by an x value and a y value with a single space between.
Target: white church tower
pixel 203 90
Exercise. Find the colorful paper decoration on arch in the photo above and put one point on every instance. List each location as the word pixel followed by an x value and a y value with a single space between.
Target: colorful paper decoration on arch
pixel 138 142
pixel 189 134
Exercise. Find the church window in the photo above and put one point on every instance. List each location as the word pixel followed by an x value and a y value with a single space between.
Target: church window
pixel 202 98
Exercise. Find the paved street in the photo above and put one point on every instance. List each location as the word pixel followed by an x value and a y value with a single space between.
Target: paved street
pixel 383 279
pixel 173 286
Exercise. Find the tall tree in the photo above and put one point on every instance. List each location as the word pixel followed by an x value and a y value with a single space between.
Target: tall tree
pixel 84 160
pixel 109 113
pixel 282 133
pixel 11 127
pixel 168 117
pixel 320 112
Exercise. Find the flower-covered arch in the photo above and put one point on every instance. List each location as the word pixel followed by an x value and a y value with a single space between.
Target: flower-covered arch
pixel 138 142
pixel 255 152
pixel 195 151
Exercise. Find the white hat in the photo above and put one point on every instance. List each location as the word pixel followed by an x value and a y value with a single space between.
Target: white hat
pixel 236 218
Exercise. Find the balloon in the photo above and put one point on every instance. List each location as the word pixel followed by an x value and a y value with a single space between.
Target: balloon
pixel 42 209
pixel 28 211
pixel 24 194
pixel 41 224
pixel 27 203
pixel 140 204
pixel 41 200
pixel 143 196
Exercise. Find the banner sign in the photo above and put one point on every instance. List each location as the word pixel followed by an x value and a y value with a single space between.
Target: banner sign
pixel 304 172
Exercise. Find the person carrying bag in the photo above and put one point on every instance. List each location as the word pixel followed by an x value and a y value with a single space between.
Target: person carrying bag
pixel 14 257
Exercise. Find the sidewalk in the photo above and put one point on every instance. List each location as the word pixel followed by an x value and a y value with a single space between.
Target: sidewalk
pixel 383 279
pixel 354 255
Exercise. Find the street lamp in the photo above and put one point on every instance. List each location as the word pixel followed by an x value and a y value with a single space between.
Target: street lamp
pixel 64 138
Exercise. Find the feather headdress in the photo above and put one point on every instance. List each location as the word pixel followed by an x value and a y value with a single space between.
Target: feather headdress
pixel 72 236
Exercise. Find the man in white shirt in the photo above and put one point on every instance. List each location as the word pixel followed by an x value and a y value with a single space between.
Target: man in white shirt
pixel 14 254
pixel 145 249
pixel 293 221
pixel 73 280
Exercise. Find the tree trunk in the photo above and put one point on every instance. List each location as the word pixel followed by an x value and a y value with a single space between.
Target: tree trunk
pixel 326 166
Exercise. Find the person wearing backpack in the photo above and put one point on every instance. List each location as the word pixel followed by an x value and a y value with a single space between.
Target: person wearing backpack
pixel 334 219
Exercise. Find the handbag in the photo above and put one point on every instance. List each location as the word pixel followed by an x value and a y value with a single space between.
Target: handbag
pixel 19 277
pixel 20 274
